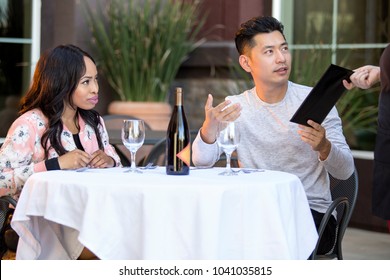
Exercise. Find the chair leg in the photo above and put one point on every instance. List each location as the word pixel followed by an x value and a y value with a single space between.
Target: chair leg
pixel 339 252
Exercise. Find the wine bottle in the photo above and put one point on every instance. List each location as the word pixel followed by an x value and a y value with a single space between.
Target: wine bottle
pixel 178 144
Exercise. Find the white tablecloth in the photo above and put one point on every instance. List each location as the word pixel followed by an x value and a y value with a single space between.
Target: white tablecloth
pixel 117 215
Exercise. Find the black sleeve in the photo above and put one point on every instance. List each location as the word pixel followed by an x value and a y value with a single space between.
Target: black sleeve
pixel 115 163
pixel 52 164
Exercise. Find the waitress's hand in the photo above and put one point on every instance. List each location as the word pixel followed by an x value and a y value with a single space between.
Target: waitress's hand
pixel 363 77
pixel 74 159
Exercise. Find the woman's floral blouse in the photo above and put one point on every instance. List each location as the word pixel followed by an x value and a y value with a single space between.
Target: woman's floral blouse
pixel 22 154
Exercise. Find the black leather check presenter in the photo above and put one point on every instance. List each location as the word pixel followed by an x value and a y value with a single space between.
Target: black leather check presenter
pixel 323 96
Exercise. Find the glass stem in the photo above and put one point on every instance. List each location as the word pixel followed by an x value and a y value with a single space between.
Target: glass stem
pixel 133 167
pixel 228 168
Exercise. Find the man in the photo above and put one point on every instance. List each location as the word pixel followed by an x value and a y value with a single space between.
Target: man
pixel 268 139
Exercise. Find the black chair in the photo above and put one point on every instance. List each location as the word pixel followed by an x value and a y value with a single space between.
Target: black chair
pixel 344 195
pixel 113 121
pixel 8 238
pixel 157 155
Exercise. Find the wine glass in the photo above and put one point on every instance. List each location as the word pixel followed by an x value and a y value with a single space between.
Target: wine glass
pixel 133 136
pixel 228 138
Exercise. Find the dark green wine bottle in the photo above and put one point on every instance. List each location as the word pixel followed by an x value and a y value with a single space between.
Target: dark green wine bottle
pixel 178 146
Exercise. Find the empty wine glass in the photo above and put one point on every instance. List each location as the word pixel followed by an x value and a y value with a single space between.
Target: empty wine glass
pixel 133 136
pixel 228 139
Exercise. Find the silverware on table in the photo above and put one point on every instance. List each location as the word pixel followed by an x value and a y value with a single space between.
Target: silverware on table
pixel 248 170
pixel 150 165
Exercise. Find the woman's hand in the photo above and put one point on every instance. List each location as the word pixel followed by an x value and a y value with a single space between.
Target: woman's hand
pixel 74 159
pixel 100 159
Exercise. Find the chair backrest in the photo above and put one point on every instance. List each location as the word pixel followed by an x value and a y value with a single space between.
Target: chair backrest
pixel 344 195
pixel 349 189
pixel 4 207
pixel 5 211
pixel 5 202
pixel 157 154
pixel 113 121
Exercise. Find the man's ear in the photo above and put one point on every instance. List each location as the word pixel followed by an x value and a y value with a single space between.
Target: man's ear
pixel 244 62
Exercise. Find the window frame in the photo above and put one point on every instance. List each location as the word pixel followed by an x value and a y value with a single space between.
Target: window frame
pixel 35 40
pixel 283 10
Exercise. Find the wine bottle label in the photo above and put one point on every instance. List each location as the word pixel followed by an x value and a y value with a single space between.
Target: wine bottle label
pixel 185 155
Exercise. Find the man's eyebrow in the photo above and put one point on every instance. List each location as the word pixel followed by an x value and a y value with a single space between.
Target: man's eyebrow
pixel 273 46
pixel 269 47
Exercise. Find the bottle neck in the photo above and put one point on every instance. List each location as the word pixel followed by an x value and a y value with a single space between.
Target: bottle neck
pixel 179 98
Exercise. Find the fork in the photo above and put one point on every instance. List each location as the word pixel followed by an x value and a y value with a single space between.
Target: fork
pixel 150 165
pixel 249 170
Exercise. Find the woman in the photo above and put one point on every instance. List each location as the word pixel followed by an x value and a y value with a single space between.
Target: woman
pixel 365 77
pixel 57 127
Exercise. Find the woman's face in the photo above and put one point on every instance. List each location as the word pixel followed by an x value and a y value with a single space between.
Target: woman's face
pixel 86 94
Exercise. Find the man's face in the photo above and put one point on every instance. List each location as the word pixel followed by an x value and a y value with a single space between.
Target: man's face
pixel 270 60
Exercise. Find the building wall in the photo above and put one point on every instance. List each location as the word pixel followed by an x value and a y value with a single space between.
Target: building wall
pixel 64 22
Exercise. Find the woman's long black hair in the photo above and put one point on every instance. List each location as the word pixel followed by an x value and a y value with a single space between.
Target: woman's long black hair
pixel 56 77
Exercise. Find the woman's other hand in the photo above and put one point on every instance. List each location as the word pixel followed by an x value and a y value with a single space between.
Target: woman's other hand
pixel 74 159
pixel 100 159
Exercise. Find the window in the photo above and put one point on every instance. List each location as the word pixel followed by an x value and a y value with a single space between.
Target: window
pixel 19 45
pixel 350 33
